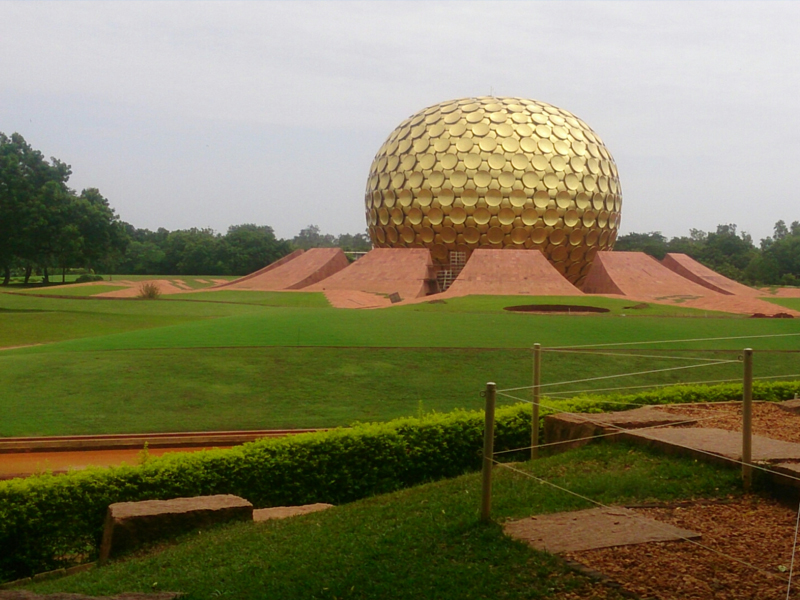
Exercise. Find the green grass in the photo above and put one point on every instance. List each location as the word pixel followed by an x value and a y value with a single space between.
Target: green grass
pixel 305 299
pixel 78 290
pixel 793 303
pixel 264 388
pixel 425 542
pixel 242 363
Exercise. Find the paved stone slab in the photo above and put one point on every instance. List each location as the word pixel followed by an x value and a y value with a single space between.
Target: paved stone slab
pixel 131 524
pixel 792 406
pixel 562 427
pixel 591 529
pixel 723 443
pixel 283 512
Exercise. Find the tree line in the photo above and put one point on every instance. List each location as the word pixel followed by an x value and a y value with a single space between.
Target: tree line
pixel 46 226
pixel 242 250
pixel 775 261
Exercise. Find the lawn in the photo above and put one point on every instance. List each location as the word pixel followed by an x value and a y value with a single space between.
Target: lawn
pixel 251 360
pixel 424 542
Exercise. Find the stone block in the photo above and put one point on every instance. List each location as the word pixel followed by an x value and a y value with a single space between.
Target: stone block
pixel 130 524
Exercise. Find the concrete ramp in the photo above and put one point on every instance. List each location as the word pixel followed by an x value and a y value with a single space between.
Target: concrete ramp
pixel 510 273
pixel 299 272
pixel 687 267
pixel 405 271
pixel 639 275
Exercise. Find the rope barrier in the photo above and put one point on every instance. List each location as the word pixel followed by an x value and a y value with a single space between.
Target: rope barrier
pixel 593 353
pixel 527 387
pixel 662 525
pixel 738 337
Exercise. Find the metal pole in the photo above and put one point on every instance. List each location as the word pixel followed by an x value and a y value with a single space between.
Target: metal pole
pixel 537 382
pixel 488 454
pixel 747 420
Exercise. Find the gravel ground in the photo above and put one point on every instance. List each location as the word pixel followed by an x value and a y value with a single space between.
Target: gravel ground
pixel 752 529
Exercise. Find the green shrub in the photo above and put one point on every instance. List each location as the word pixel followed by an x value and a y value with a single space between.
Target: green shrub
pixel 88 278
pixel 50 521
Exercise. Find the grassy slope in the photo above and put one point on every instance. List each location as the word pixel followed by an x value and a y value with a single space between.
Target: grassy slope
pixel 424 542
pixel 793 303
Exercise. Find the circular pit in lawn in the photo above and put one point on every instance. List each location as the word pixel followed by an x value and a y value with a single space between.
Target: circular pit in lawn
pixel 556 308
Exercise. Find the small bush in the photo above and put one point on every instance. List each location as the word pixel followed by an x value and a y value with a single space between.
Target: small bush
pixel 149 290
pixel 88 278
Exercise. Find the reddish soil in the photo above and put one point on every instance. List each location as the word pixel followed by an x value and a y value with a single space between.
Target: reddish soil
pixel 509 273
pixel 355 299
pixel 134 289
pixel 687 267
pixel 556 308
pixel 383 271
pixel 300 271
pixel 22 464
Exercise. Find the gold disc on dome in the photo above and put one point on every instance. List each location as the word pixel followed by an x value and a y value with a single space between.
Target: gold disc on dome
pixel 546 146
pixel 415 179
pixel 506 179
pixel 480 129
pixel 426 235
pixel 493 198
pixel 529 217
pixel 520 162
pixel 496 161
pixel 481 216
pixel 457 130
pixel 551 181
pixel 498 117
pixel 475 117
pixel 539 235
pixel 510 144
pixel 482 179
pixel 426 161
pixel 571 181
pixel 471 235
pixel 563 199
pixel 560 253
pixel 472 161
pixel 458 179
pixel 576 237
pixel 436 130
pixel 441 144
pixel 445 197
pixel 398 179
pixel 519 235
pixel 506 216
pixel 391 234
pixel 448 161
pixel 558 163
pixel 407 235
pixel 488 144
pixel 571 218
pixel 539 162
pixel 424 197
pixel 541 199
pixel 435 216
pixel 469 197
pixel 518 198
pixel 504 130
pixel 464 144
pixel 404 198
pixel 530 179
pixel 550 217
pixel 528 144
pixel 380 235
pixel 591 237
pixel 408 162
pixel 458 215
pixel 495 235
pixel 561 147
pixel 397 216
pixel 449 235
pixel 436 179
pixel 543 131
pixel 439 252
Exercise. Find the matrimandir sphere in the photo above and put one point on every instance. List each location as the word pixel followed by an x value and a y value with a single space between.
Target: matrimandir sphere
pixel 493 172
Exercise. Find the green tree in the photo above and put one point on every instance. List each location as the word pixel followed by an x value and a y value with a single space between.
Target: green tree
pixel 653 243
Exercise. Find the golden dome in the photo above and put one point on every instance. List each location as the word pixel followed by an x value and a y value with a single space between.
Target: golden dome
pixel 495 173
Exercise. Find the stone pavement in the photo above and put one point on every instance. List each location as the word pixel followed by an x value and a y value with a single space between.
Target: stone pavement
pixel 591 529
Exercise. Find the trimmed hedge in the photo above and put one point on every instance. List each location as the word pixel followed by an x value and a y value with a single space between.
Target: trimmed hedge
pixel 51 521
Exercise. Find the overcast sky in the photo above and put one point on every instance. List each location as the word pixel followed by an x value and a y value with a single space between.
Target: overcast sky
pixel 210 114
